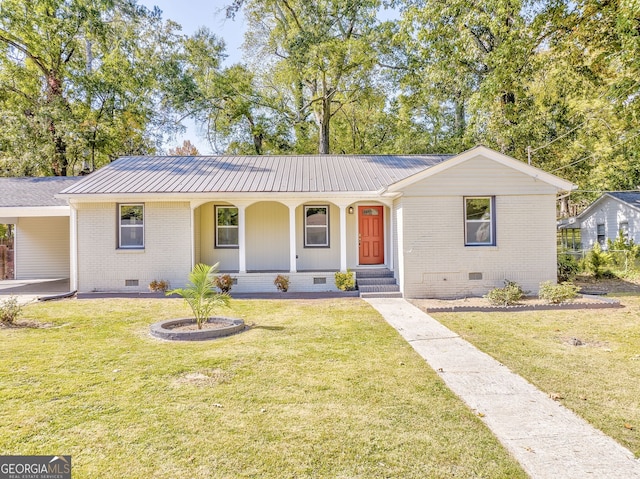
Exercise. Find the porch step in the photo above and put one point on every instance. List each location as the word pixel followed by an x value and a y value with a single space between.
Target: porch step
pixel 396 294
pixel 373 273
pixel 379 288
pixel 377 283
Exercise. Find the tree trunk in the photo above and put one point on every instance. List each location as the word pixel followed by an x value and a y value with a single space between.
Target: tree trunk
pixel 323 118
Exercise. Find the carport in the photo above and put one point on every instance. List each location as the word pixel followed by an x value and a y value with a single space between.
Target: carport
pixel 41 221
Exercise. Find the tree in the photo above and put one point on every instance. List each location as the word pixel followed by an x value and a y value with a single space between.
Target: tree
pixel 187 149
pixel 317 56
pixel 83 81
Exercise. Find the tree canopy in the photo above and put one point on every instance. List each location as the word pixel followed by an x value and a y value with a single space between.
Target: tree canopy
pixel 552 81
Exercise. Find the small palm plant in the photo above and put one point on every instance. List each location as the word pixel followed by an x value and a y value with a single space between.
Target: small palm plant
pixel 200 293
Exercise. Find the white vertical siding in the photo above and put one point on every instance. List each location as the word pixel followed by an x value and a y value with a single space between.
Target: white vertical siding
pixel 610 212
pixel 42 248
pixel 209 254
pixel 267 236
pixel 319 259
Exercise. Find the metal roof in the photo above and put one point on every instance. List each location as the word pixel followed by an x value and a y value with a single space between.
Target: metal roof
pixel 29 192
pixel 246 174
pixel 632 198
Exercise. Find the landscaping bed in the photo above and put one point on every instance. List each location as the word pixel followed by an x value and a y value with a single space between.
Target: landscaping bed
pixel 525 304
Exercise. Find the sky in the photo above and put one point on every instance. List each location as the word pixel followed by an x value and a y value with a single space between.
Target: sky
pixel 192 14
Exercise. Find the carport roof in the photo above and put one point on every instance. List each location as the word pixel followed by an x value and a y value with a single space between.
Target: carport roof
pixel 34 192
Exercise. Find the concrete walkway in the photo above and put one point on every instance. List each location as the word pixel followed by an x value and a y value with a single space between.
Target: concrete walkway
pixel 546 438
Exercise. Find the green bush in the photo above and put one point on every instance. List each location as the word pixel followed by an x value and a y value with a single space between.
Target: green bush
pixel 345 281
pixel 597 261
pixel 567 267
pixel 509 295
pixel 623 251
pixel 9 310
pixel 557 293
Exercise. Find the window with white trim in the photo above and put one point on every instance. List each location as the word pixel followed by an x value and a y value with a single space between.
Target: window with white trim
pixel 131 226
pixel 479 224
pixel 226 227
pixel 316 226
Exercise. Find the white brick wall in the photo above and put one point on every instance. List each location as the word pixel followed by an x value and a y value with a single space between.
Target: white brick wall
pixel 167 253
pixel 437 263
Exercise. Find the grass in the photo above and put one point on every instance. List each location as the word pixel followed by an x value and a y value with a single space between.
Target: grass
pixel 320 388
pixel 598 380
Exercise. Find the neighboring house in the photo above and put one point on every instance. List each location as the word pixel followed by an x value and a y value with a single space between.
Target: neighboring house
pixel 613 212
pixel 41 247
pixel 443 226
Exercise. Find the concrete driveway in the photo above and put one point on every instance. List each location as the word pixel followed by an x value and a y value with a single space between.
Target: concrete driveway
pixel 31 290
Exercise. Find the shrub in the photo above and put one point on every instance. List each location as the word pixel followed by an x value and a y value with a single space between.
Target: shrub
pixel 567 267
pixel 596 261
pixel 282 283
pixel 623 251
pixel 345 281
pixel 9 310
pixel 159 286
pixel 200 293
pixel 509 295
pixel 224 282
pixel 557 293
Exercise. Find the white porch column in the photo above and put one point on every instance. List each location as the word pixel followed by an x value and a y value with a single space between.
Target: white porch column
pixel 293 254
pixel 343 238
pixel 73 245
pixel 242 244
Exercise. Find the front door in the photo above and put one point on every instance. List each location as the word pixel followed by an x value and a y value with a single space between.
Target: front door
pixel 371 235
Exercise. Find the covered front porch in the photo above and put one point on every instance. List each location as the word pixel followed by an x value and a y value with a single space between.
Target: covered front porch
pixel 307 240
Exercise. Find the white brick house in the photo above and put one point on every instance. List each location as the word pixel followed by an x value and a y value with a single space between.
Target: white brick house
pixel 442 226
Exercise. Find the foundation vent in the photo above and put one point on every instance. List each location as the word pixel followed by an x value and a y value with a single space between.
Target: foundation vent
pixel 131 282
pixel 319 280
pixel 475 276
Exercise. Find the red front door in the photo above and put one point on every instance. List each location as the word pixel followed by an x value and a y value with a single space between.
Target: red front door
pixel 371 235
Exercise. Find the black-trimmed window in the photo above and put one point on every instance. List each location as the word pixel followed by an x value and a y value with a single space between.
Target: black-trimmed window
pixel 479 224
pixel 316 226
pixel 226 227
pixel 131 226
pixel 601 234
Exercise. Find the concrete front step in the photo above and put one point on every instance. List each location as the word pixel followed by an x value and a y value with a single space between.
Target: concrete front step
pixel 376 281
pixel 379 288
pixel 373 273
pixel 396 294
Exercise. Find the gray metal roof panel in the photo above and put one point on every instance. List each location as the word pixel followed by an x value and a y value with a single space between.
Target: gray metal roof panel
pixel 30 192
pixel 632 198
pixel 208 174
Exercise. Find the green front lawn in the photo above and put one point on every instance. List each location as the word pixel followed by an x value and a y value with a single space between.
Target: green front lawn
pixel 321 388
pixel 599 379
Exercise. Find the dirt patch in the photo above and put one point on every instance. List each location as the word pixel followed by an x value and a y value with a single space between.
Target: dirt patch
pixel 590 285
pixel 26 323
pixel 205 378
